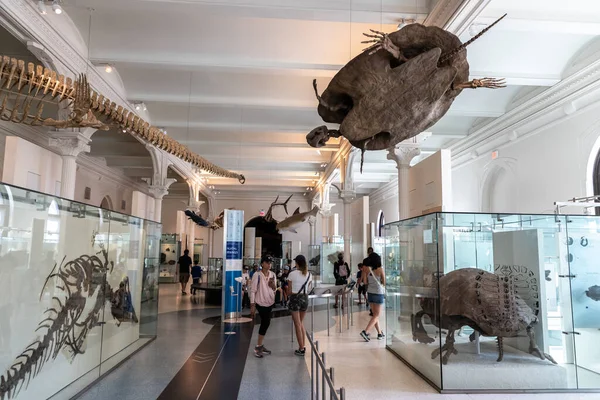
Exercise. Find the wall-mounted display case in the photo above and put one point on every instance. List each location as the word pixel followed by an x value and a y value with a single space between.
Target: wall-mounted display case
pixel 79 292
pixel 497 302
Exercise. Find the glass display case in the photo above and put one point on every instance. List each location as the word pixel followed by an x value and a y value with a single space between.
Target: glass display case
pixel 170 251
pixel 329 255
pixel 79 292
pixel 314 259
pixel 215 272
pixel 496 302
pixel 198 251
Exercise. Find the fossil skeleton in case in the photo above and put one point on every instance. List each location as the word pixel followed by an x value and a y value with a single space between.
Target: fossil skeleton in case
pixel 84 293
pixel 489 303
pixel 397 88
pixel 25 89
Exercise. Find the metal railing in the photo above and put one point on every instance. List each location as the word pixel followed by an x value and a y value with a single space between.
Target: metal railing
pixel 320 372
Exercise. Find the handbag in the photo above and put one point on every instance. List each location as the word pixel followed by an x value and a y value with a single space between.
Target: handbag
pixel 298 301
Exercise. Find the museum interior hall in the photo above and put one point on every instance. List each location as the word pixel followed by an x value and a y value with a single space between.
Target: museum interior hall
pixel 299 199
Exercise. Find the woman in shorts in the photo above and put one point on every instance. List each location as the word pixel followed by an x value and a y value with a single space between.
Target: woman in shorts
pixel 299 285
pixel 374 278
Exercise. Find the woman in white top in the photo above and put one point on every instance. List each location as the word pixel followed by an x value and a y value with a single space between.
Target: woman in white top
pixel 299 285
pixel 375 280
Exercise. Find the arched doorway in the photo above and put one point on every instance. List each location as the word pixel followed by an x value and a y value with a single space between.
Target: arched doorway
pixel 271 238
pixel 107 203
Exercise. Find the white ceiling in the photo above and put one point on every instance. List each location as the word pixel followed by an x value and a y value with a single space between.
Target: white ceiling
pixel 232 78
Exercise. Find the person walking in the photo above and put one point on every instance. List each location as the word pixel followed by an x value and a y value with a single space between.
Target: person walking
pixel 196 277
pixel 299 285
pixel 262 299
pixel 374 277
pixel 341 272
pixel 184 270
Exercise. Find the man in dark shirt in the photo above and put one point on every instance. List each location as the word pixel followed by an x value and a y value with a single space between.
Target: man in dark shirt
pixel 341 273
pixel 184 270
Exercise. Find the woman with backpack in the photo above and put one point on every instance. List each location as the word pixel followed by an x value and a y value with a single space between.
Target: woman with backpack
pixel 374 278
pixel 299 285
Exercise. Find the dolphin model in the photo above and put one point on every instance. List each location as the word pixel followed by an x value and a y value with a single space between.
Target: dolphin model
pixel 292 223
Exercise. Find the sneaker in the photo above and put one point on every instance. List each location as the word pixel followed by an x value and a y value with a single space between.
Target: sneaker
pixel 183 293
pixel 335 306
pixel 370 313
pixel 258 353
pixel 265 351
pixel 380 336
pixel 300 353
pixel 365 336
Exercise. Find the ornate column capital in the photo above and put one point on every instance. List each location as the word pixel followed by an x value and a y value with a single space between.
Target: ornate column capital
pixel 69 143
pixel 158 191
pixel 403 155
pixel 348 196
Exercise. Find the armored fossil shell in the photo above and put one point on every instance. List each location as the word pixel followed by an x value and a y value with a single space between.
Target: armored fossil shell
pixel 487 299
pixel 388 102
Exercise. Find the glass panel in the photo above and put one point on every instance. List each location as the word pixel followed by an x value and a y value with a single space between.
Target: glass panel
pixel 45 247
pixel 329 252
pixel 509 282
pixel 126 248
pixel 215 272
pixel 60 268
pixel 410 288
pixel 149 307
pixel 314 259
pixel 583 243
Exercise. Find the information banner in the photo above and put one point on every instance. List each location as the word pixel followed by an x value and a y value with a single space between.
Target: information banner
pixel 233 234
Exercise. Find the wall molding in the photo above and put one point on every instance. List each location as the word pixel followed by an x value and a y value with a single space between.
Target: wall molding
pixel 562 101
pixel 384 193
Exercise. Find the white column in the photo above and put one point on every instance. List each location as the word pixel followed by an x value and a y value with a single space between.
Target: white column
pixel 69 145
pixel 211 240
pixel 158 192
pixel 403 155
pixel 312 232
pixel 347 198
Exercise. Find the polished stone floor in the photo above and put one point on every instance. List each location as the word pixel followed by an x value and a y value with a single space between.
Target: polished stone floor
pixel 365 370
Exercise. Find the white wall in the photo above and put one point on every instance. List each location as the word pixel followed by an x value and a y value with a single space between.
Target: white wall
pixel 530 174
pixel 252 208
pixel 22 158
pixel 384 199
pixel 101 187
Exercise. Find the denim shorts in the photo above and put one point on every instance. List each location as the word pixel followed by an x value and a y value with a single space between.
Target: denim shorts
pixel 376 298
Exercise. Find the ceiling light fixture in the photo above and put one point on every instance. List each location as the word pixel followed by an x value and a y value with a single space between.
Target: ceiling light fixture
pixel 56 7
pixel 108 68
pixel 42 7
pixel 319 152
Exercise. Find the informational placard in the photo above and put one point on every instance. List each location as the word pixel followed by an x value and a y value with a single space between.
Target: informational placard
pixel 518 255
pixel 233 234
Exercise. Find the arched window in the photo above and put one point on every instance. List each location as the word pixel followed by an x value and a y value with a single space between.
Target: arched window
pixel 380 223
pixel 107 203
pixel 596 180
